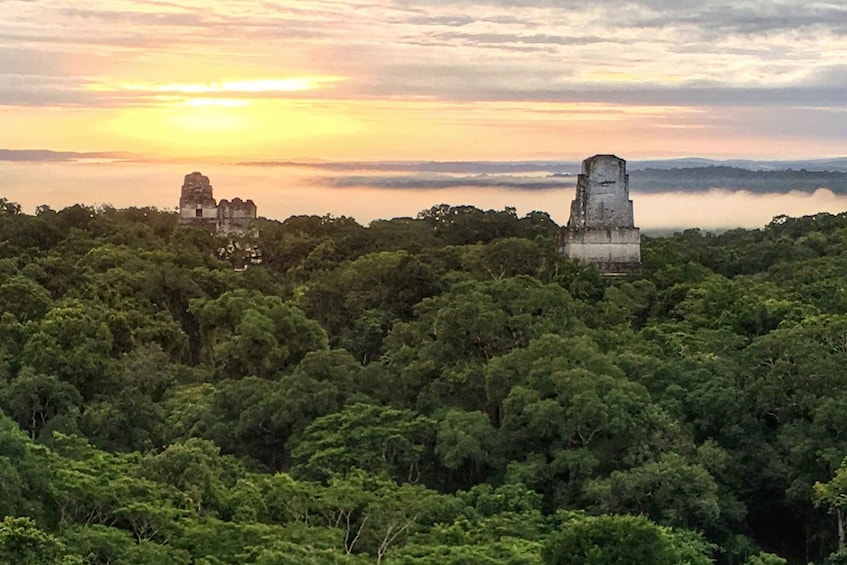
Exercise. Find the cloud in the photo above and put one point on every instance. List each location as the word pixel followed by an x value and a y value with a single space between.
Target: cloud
pixel 420 182
pixel 46 155
pixel 831 75
pixel 489 82
pixel 449 21
pixel 150 25
pixel 41 90
pixel 47 90
pixel 510 40
pixel 710 17
pixel 631 39
pixel 765 16
pixel 770 66
pixel 137 18
pixel 475 168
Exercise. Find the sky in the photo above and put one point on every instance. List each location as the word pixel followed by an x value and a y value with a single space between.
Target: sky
pixel 438 79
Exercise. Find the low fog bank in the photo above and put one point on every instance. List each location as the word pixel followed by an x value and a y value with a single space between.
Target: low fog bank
pixel 279 194
pixel 720 209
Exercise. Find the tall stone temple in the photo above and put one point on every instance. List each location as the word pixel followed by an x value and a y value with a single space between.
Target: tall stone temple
pixel 601 228
pixel 197 207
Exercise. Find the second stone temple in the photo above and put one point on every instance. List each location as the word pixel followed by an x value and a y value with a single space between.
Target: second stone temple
pixel 601 229
pixel 197 207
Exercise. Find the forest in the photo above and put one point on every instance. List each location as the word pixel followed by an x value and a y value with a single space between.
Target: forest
pixel 435 390
pixel 699 179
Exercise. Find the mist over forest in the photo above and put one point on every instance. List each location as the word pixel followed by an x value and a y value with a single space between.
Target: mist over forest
pixel 668 195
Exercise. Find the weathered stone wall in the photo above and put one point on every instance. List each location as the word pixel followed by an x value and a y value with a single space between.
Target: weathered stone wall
pixel 236 216
pixel 196 203
pixel 601 228
pixel 204 216
pixel 612 249
pixel 602 195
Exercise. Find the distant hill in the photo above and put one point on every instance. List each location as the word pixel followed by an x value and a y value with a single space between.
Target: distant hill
pixel 696 179
pixel 837 164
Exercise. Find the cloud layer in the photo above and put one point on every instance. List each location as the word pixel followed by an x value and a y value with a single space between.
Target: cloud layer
pixel 763 69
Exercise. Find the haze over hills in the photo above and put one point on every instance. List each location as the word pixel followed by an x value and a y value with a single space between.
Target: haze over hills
pixel 833 164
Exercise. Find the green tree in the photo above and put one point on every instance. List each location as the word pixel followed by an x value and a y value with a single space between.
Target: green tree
pixel 509 257
pixel 389 283
pixel 467 443
pixel 75 343
pixel 671 491
pixel 622 540
pixel 365 436
pixel 133 418
pixel 25 475
pixel 763 558
pixel 374 513
pixel 22 542
pixel 247 333
pixel 24 298
pixel 262 419
pixel 196 468
pixel 437 359
pixel 103 544
pixel 37 401
pixel 833 496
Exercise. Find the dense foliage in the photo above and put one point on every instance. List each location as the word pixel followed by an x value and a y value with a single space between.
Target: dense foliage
pixel 437 390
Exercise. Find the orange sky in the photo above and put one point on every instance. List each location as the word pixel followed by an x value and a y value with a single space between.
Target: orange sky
pixel 396 79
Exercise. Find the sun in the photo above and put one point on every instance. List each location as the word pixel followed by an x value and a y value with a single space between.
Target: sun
pixel 228 116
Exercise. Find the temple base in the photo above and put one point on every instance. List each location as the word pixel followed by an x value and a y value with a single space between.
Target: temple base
pixel 613 250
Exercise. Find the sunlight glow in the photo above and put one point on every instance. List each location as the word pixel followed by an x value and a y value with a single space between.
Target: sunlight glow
pixel 269 85
pixel 221 102
pixel 231 127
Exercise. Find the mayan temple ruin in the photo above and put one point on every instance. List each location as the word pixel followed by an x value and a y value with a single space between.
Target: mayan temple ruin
pixel 197 207
pixel 601 228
